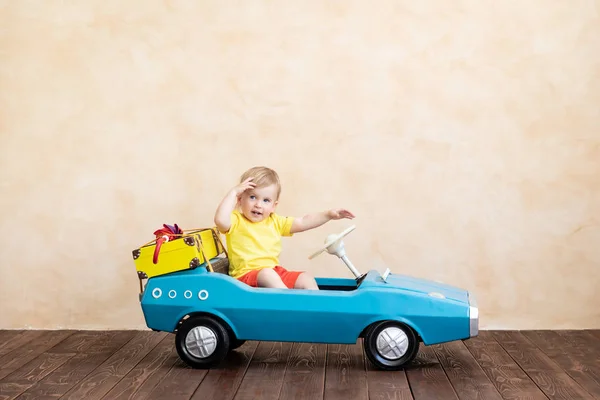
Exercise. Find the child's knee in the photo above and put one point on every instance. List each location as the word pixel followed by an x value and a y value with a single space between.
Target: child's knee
pixel 306 281
pixel 267 277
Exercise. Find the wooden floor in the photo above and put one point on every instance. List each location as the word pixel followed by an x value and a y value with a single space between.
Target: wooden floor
pixel 145 365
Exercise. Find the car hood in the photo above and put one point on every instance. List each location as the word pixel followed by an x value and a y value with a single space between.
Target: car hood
pixel 434 289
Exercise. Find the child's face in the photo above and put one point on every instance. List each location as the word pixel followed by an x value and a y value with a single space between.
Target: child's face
pixel 258 203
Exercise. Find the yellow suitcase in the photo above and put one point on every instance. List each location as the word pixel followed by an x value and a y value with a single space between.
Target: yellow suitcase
pixel 192 249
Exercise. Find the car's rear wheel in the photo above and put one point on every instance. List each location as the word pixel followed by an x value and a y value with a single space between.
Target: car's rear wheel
pixel 390 345
pixel 235 343
pixel 202 342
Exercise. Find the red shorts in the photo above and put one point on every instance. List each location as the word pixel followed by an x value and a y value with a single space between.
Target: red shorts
pixel 288 277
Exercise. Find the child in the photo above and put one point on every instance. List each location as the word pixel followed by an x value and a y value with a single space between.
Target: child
pixel 253 231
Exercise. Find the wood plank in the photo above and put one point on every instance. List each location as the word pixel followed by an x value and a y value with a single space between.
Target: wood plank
pixel 555 343
pixel 147 373
pixel 427 378
pixel 24 354
pixel 23 378
pixel 19 340
pixel 179 383
pixel 345 372
pixel 549 377
pixel 78 367
pixel 264 376
pixel 465 374
pixel 305 375
pixel 528 364
pixel 386 385
pixel 154 379
pixel 78 342
pixel 583 340
pixel 506 375
pixel 222 382
pixel 584 369
pixel 99 382
pixel 8 335
pixel 26 376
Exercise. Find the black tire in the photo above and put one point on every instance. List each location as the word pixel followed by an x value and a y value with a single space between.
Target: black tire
pixel 398 359
pixel 210 346
pixel 235 343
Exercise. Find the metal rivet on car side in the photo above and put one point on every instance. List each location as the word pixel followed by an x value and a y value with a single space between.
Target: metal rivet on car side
pixel 203 294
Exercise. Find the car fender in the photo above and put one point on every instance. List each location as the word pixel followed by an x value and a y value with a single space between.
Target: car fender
pixel 396 318
pixel 191 312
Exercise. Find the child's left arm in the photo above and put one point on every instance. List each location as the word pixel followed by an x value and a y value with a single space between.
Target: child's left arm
pixel 310 221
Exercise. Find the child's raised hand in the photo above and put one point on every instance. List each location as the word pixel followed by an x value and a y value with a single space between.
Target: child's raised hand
pixel 242 187
pixel 339 213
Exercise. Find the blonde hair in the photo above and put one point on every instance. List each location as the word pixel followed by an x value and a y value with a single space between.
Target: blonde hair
pixel 263 176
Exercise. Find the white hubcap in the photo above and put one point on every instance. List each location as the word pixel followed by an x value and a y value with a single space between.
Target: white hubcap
pixel 392 343
pixel 201 342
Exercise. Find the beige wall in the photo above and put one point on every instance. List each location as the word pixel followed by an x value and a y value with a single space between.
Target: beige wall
pixel 464 135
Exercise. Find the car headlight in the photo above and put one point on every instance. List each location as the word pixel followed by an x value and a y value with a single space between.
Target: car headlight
pixel 473 316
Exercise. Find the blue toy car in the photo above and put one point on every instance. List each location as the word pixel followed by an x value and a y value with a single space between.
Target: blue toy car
pixel 212 313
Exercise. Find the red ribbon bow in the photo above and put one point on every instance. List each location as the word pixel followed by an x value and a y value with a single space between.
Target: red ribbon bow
pixel 165 234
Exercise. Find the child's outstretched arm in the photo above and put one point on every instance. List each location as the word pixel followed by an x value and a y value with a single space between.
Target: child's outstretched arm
pixel 311 221
pixel 225 208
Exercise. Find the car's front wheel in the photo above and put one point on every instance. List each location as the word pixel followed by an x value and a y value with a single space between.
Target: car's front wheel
pixel 202 342
pixel 390 345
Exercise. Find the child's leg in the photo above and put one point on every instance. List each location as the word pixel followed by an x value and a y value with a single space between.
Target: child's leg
pixel 306 281
pixel 296 279
pixel 269 278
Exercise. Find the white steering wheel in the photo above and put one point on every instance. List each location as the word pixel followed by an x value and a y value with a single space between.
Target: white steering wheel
pixel 332 243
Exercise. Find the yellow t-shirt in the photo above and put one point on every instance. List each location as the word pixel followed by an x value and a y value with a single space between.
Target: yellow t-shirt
pixel 253 245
